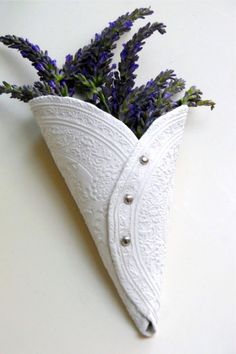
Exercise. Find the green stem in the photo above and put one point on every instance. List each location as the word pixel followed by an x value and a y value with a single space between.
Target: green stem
pixel 103 100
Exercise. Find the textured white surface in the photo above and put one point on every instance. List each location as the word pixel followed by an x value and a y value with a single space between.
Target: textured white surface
pixel 55 296
pixel 98 157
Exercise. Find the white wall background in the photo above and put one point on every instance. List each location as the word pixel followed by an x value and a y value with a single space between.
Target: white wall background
pixel 55 296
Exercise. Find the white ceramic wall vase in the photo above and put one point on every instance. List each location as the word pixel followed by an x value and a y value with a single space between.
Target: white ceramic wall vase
pixel 122 186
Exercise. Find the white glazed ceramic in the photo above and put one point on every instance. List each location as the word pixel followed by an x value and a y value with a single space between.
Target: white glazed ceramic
pixel 99 158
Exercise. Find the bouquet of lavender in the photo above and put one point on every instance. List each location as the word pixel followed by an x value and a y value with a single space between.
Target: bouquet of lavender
pixel 116 145
pixel 90 75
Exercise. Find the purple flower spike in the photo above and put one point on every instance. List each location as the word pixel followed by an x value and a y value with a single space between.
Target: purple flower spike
pixel 47 69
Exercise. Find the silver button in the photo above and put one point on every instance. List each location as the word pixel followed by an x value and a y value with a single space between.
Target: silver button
pixel 143 160
pixel 128 199
pixel 125 241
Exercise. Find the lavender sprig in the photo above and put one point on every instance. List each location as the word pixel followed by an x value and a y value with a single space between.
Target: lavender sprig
pixel 94 60
pixel 148 102
pixel 45 66
pixel 151 90
pixel 193 98
pixel 124 77
pixel 166 103
pixel 27 92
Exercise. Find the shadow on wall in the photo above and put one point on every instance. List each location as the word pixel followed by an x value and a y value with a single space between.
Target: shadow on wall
pixel 22 71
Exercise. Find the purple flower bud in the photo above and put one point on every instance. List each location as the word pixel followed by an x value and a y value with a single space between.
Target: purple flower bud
pixel 133 67
pixel 113 66
pixel 167 95
pixel 69 58
pixel 39 66
pixel 116 37
pixel 132 108
pixel 35 48
pixel 52 84
pixel 137 47
pixel 123 54
pixel 84 71
pixel 78 54
pixel 152 95
pixel 97 36
pixel 71 91
pixel 149 83
pixel 112 24
pixel 175 104
pixel 53 62
pixel 95 99
pixel 128 24
pixel 24 54
pixel 103 57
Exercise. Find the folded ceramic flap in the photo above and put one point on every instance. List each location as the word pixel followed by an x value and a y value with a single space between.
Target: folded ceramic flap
pixel 122 187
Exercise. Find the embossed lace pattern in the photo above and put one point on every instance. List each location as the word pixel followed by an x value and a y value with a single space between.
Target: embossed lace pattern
pixel 98 157
pixel 140 266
